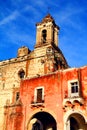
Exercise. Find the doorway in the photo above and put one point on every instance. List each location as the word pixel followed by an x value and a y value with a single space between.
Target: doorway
pixel 76 122
pixel 42 121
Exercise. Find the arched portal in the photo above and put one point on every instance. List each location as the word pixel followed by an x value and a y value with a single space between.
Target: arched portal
pixel 42 121
pixel 76 122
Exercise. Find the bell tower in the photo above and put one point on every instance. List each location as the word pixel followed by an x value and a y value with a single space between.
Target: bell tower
pixel 50 57
pixel 47 32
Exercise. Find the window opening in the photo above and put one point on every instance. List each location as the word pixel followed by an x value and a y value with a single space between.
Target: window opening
pixel 21 74
pixel 17 95
pixel 44 35
pixel 74 87
pixel 39 95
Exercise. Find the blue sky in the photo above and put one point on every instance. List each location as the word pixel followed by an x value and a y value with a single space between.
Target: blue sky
pixel 17 27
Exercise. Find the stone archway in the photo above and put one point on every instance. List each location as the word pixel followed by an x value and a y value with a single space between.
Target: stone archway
pixel 75 122
pixel 42 121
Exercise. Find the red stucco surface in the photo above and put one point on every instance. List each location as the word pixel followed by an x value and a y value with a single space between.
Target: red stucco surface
pixel 55 91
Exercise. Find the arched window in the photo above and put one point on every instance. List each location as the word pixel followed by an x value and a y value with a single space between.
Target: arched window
pixel 21 74
pixel 44 35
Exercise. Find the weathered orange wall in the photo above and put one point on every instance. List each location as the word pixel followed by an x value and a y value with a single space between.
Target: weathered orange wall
pixel 53 96
pixel 55 86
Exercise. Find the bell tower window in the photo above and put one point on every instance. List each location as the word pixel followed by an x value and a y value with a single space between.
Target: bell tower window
pixel 44 35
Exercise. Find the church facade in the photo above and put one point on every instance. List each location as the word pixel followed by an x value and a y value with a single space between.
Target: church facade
pixel 38 89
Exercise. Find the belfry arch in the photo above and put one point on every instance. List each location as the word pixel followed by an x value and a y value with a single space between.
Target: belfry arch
pixel 75 121
pixel 42 121
pixel 44 35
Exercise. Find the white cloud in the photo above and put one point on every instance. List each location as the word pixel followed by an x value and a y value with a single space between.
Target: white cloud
pixel 9 18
